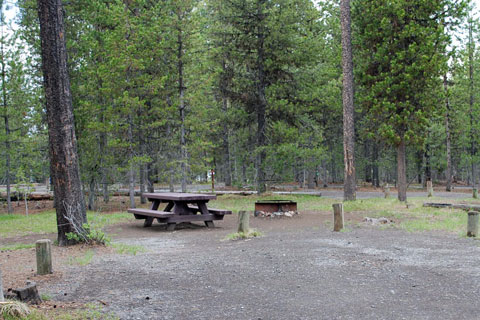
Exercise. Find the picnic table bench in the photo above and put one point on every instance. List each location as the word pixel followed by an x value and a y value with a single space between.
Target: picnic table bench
pixel 181 207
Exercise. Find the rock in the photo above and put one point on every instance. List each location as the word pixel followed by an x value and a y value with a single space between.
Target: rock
pixel 375 221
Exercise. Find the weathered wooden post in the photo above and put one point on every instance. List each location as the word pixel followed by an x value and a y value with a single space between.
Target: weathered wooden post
pixel 386 191
pixel 472 228
pixel 1 287
pixel 44 256
pixel 337 216
pixel 429 189
pixel 475 193
pixel 243 221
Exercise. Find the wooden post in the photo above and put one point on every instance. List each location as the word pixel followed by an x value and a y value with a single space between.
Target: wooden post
pixel 386 191
pixel 337 216
pixel 1 287
pixel 472 228
pixel 243 221
pixel 44 256
pixel 475 193
pixel 429 189
pixel 213 179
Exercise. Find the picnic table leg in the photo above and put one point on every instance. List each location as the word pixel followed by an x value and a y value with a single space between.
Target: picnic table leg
pixel 202 206
pixel 169 206
pixel 155 204
pixel 171 226
pixel 148 222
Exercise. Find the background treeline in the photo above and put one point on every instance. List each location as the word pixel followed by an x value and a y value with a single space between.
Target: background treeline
pixel 165 91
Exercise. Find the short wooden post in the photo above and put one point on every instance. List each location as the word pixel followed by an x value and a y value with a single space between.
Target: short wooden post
pixel 386 191
pixel 44 256
pixel 429 189
pixel 243 221
pixel 472 228
pixel 1 287
pixel 337 216
pixel 475 193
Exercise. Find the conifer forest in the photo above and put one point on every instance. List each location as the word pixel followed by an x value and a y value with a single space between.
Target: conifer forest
pixel 260 92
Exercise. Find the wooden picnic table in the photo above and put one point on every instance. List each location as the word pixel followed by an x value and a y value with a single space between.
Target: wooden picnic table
pixel 181 207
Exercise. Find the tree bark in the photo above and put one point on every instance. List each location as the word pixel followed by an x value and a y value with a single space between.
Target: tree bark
pixel 473 151
pixel 447 133
pixel 181 92
pixel 91 194
pixel 428 167
pixel 368 164
pixel 69 199
pixel 419 161
pixel 7 128
pixel 149 177
pixel 349 185
pixel 401 171
pixel 261 106
pixel 143 200
pixel 226 147
pixel 375 173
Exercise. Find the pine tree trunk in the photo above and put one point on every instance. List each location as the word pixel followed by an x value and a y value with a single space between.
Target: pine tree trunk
pixel 428 168
pixel 69 199
pixel 376 176
pixel 131 170
pixel 349 186
pixel 447 133
pixel 261 100
pixel 226 147
pixel 7 130
pixel 311 177
pixel 473 151
pixel 401 171
pixel 419 161
pixel 142 184
pixel 149 176
pixel 103 165
pixel 368 164
pixel 181 88
pixel 91 194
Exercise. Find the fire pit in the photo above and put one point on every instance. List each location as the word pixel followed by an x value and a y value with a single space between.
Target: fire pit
pixel 275 208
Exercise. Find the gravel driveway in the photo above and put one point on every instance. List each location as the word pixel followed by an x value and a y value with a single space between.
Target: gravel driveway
pixel 300 270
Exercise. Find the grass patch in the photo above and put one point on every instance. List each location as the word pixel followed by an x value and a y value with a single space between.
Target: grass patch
pixel 412 217
pixel 123 248
pixel 90 312
pixel 17 247
pixel 243 235
pixel 83 260
pixel 45 297
pixel 45 222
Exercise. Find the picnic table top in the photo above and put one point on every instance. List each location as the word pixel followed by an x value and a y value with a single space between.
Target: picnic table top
pixel 179 196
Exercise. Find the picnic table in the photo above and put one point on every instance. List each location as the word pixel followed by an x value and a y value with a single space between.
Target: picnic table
pixel 181 207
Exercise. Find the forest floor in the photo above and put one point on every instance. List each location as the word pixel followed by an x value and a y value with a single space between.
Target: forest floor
pixel 297 269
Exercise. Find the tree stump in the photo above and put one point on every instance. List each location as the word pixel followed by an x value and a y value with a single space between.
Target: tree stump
pixel 243 221
pixel 28 294
pixel 429 189
pixel 472 228
pixel 44 256
pixel 1 287
pixel 337 216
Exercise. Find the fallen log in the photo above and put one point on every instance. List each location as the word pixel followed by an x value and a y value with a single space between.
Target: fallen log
pixel 36 196
pixel 467 207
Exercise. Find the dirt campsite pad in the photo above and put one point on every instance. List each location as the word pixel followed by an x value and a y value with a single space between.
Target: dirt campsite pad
pixel 298 269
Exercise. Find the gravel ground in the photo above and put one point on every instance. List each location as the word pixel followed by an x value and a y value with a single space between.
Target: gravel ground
pixel 296 270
